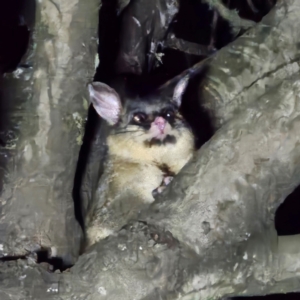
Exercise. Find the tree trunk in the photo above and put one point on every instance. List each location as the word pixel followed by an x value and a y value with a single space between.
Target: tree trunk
pixel 47 108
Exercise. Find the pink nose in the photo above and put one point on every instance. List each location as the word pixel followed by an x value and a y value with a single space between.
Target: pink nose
pixel 160 122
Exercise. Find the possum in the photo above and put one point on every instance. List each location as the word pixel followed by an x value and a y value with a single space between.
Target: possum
pixel 148 143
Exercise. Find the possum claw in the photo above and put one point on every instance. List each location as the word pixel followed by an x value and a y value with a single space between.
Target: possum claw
pixel 158 191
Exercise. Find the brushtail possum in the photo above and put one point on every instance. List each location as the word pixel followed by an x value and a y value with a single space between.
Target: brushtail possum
pixel 148 143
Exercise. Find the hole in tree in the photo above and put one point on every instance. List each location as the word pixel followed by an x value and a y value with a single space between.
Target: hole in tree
pixel 287 218
pixel 55 263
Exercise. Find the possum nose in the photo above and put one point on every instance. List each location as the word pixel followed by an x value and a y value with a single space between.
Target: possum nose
pixel 160 122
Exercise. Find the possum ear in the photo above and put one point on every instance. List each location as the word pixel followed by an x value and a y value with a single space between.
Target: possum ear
pixel 179 83
pixel 179 90
pixel 106 102
pixel 175 88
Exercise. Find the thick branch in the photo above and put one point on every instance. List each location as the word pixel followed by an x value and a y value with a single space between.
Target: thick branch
pixel 258 60
pixel 131 265
pixel 245 171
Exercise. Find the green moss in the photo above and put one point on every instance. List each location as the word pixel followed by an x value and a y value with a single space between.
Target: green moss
pixel 80 124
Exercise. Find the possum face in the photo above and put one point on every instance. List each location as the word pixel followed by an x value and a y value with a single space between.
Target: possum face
pixel 152 121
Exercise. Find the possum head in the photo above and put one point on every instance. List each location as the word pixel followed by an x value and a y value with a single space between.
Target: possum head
pixel 151 121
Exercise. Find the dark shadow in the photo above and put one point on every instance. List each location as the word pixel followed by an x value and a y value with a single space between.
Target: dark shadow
pixel 55 263
pixel 168 69
pixel 108 40
pixel 41 256
pixel 14 39
pixel 108 31
pixel 255 12
pixel 12 258
pixel 89 135
pixel 287 218
pixel 194 113
pixel 289 296
pixel 14 34
pixel 193 23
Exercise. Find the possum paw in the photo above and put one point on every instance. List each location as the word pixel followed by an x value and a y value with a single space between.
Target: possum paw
pixel 163 185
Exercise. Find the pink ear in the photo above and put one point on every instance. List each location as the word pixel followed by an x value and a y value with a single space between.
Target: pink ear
pixel 106 101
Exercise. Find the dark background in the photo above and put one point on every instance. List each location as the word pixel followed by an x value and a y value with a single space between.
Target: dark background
pixel 193 24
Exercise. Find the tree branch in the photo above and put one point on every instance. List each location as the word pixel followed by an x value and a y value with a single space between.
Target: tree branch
pixel 231 16
pixel 247 159
pixel 244 70
pixel 185 46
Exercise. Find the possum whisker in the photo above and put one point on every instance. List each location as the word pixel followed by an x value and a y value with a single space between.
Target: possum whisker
pixel 180 125
pixel 127 131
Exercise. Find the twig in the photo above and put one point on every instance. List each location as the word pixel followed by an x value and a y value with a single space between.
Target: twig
pixel 185 46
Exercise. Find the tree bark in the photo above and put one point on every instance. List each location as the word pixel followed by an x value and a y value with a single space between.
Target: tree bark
pixel 244 70
pixel 47 107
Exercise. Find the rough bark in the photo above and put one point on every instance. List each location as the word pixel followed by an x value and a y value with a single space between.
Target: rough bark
pixel 47 107
pixel 262 57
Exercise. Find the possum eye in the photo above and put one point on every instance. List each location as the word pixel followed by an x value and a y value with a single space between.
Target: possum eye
pixel 139 118
pixel 169 115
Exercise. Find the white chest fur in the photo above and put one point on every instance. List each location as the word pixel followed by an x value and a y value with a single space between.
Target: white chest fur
pixel 133 171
